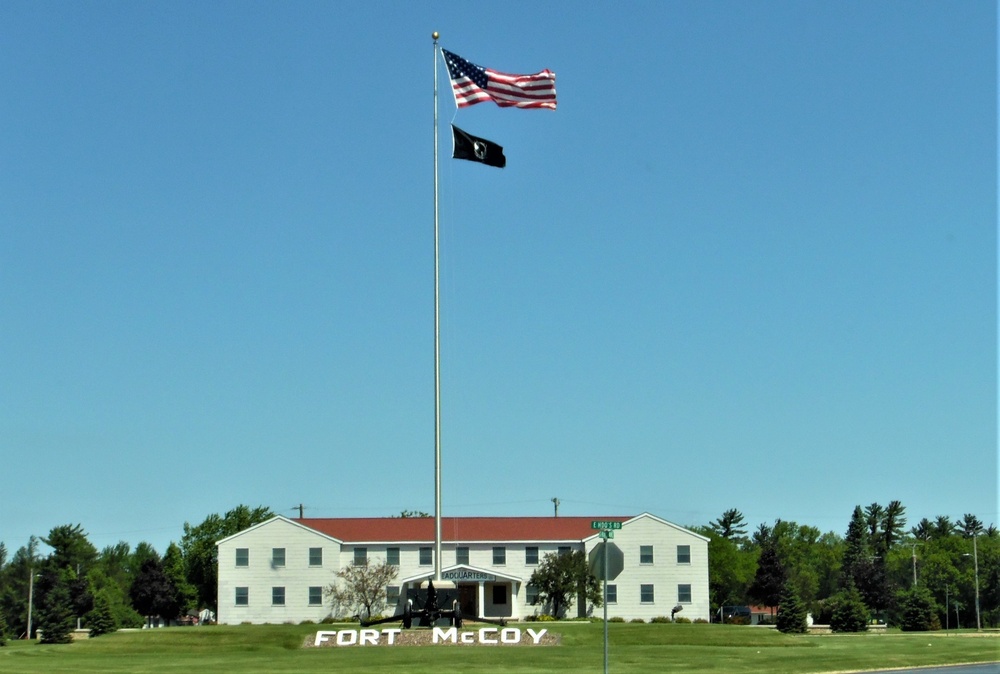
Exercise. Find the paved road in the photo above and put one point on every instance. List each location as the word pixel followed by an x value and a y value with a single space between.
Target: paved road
pixel 992 668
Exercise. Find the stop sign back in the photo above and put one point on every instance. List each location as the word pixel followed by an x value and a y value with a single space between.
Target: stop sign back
pixel 616 560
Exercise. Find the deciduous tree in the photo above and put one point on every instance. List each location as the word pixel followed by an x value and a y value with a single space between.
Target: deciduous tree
pixel 153 593
pixel 360 588
pixel 561 577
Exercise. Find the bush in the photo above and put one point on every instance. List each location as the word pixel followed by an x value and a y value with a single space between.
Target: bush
pixel 660 619
pixel 682 620
pixel 700 621
pixel 637 620
pixel 308 622
pixel 546 618
pixel 329 620
pixel 616 619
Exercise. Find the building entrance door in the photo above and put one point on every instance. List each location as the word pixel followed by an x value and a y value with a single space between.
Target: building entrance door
pixel 467 595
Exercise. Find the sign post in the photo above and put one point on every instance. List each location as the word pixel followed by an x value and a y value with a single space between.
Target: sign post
pixel 606 533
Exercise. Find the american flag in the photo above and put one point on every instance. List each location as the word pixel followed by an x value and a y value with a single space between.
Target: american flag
pixel 474 84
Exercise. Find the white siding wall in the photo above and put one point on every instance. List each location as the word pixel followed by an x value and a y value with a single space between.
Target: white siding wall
pixel 664 574
pixel 260 576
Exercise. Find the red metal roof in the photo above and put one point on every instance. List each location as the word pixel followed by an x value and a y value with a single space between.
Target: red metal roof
pixel 457 529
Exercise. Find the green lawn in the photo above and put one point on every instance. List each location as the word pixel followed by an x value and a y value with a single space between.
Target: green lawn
pixel 692 649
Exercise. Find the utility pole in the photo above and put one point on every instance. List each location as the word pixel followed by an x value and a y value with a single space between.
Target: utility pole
pixel 914 548
pixel 31 597
pixel 301 508
pixel 555 502
pixel 975 559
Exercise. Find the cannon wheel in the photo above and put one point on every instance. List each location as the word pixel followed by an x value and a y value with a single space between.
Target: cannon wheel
pixel 407 615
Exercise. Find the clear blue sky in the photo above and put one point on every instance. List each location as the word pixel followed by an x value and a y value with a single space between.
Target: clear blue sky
pixel 750 262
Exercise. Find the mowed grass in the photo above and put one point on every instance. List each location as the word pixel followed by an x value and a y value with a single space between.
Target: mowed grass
pixel 693 649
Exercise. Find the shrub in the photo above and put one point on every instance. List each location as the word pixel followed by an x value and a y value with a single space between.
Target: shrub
pixel 308 622
pixel 616 619
pixel 637 620
pixel 545 618
pixel 682 620
pixel 329 620
pixel 700 621
pixel 660 619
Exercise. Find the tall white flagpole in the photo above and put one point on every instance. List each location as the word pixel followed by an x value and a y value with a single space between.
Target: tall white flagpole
pixel 437 343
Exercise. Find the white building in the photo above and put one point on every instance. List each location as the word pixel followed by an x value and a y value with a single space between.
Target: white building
pixel 276 571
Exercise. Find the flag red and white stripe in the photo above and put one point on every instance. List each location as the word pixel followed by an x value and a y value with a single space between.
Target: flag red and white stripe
pixel 474 84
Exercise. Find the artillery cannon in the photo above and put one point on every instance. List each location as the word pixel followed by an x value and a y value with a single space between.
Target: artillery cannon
pixel 429 614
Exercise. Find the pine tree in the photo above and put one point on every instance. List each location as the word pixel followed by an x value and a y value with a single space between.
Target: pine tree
pixel 770 578
pixel 849 612
pixel 791 612
pixel 101 619
pixel 3 630
pixel 917 609
pixel 55 615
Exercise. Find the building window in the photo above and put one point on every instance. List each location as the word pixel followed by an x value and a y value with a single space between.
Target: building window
pixel 360 556
pixel 277 556
pixel 392 595
pixel 531 595
pixel 462 555
pixel 242 596
pixel 315 556
pixel 499 595
pixel 426 557
pixel 612 593
pixel 242 556
pixel 392 556
pixel 646 594
pixel 499 555
pixel 645 554
pixel 683 554
pixel 684 594
pixel 531 555
pixel 277 596
pixel 564 550
pixel 315 595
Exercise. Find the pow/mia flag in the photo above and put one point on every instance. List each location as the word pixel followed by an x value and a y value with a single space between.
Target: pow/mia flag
pixel 467 146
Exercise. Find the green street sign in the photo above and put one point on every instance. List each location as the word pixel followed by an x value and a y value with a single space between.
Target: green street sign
pixel 606 534
pixel 605 524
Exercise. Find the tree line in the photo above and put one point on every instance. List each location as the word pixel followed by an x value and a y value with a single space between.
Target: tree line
pixel 923 577
pixel 78 586
pixel 878 570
